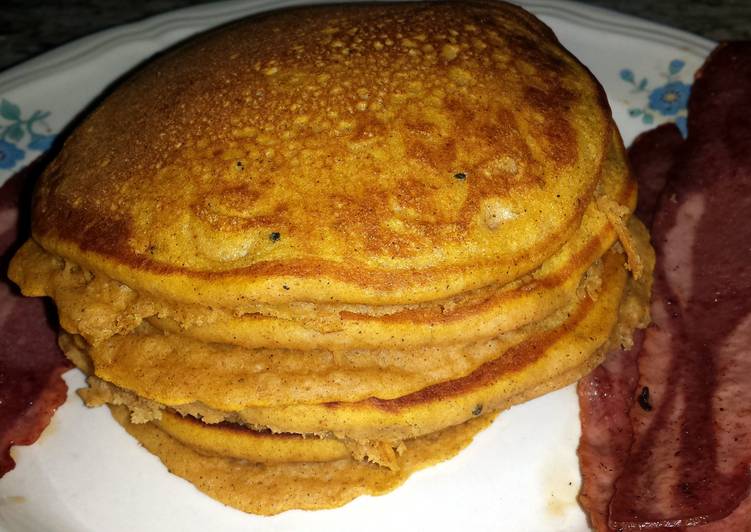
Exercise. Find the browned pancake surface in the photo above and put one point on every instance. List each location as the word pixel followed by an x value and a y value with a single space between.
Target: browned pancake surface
pixel 368 153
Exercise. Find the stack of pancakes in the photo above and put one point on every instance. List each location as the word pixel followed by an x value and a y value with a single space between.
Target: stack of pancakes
pixel 308 253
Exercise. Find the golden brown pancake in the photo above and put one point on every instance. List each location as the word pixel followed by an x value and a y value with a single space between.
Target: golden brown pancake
pixel 268 489
pixel 517 369
pixel 533 368
pixel 231 440
pixel 480 314
pixel 98 308
pixel 368 154
pixel 146 362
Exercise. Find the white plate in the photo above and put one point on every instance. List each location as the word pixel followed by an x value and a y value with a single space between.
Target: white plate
pixel 86 474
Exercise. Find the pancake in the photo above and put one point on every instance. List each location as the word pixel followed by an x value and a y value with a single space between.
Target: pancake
pixel 235 441
pixel 541 362
pixel 216 177
pixel 269 489
pixel 230 465
pixel 144 361
pixel 262 446
pixel 480 314
pixel 98 308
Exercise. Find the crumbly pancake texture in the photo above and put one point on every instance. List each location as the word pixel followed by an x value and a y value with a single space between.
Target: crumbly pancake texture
pixel 515 370
pixel 379 154
pixel 269 489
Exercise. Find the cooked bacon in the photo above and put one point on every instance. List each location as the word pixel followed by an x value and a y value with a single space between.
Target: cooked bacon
pixel 605 398
pixel 691 457
pixel 652 155
pixel 689 464
pixel 738 521
pixel 31 365
pixel 607 394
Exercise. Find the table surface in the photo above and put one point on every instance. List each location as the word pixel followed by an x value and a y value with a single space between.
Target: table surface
pixel 30 28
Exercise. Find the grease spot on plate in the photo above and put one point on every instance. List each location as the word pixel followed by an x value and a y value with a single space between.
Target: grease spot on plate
pixel 561 483
pixel 12 499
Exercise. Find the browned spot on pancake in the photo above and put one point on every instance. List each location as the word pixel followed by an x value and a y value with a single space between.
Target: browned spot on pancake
pixel 558 136
pixel 440 157
pixel 231 209
pixel 366 221
pixel 536 56
pixel 368 127
pixel 100 231
pixel 494 135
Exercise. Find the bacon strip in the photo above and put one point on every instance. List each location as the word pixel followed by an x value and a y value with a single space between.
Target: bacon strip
pixel 690 430
pixel 690 461
pixel 652 155
pixel 605 398
pixel 607 394
pixel 31 364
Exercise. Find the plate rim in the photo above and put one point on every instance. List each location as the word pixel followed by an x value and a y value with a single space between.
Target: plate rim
pixel 85 48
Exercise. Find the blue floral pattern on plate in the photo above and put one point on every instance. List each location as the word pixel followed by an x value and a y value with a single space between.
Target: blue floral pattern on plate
pixel 16 130
pixel 667 100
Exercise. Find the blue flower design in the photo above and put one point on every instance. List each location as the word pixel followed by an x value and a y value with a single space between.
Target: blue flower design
pixel 20 133
pixel 670 99
pixel 9 155
pixel 41 142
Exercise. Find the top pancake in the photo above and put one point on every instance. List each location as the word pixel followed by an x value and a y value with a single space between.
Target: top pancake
pixel 376 154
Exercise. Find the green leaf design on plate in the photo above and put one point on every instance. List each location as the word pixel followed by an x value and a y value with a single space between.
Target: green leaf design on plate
pixel 10 111
pixel 676 65
pixel 18 135
pixel 15 132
